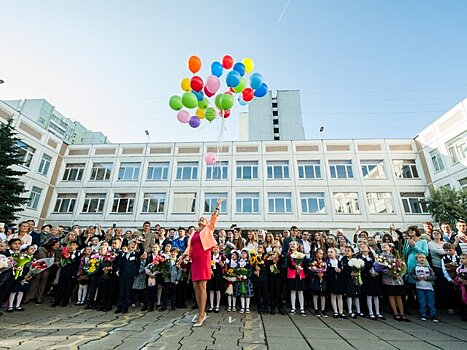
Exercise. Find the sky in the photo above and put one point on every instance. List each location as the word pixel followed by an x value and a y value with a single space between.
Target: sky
pixel 365 68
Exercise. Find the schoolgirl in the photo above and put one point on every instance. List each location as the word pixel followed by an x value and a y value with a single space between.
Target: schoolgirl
pixel 296 265
pixel 151 281
pixel 318 268
pixel 244 287
pixel 83 278
pixel 232 265
pixel 69 267
pixel 20 281
pixel 353 285
pixel 335 283
pixel 216 281
pixel 261 274
pixel 275 270
pixel 372 283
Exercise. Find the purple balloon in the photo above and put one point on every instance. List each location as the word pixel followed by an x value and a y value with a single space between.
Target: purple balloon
pixel 194 121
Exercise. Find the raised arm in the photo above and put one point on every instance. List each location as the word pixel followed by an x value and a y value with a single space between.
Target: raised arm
pixel 215 214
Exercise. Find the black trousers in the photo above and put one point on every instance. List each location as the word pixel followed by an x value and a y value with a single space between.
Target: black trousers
pixel 275 289
pixel 124 292
pixel 92 289
pixel 168 293
pixel 151 296
pixel 64 287
pixel 106 292
pixel 262 294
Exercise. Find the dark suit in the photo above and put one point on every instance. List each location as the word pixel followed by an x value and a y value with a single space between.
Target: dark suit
pixel 66 280
pixel 127 268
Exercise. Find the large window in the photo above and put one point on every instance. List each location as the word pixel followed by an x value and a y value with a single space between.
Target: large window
pixel 34 197
pixel 187 171
pixel 153 203
pixel 129 171
pixel 414 203
pixel 247 203
pixel 210 202
pixel 346 203
pixel 44 164
pixel 312 202
pixel 65 203
pixel 437 161
pixel 73 172
pixel 372 169
pixel 457 148
pixel 158 171
pixel 278 169
pixel 280 202
pixel 26 153
pixel 247 170
pixel 405 169
pixel 309 169
pixel 123 203
pixel 217 171
pixel 101 171
pixel 94 203
pixel 380 203
pixel 184 203
pixel 341 169
pixel 463 183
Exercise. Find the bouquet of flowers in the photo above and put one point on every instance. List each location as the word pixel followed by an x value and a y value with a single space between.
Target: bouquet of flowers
pixel 356 265
pixel 297 257
pixel 451 268
pixel 20 261
pixel 255 259
pixel 161 264
pixel 38 266
pixel 6 263
pixel 462 279
pixel 397 268
pixel 242 274
pixel 107 261
pixel 185 266
pixel 92 265
pixel 318 266
pixel 65 257
pixel 230 277
pixel 381 263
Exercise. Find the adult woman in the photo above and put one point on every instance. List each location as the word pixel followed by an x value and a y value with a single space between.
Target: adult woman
pixel 251 243
pixel 319 242
pixel 198 250
pixel 414 245
pixel 237 239
pixel 435 246
pixel 269 242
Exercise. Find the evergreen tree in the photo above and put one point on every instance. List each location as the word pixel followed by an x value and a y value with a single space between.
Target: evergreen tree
pixel 448 205
pixel 11 187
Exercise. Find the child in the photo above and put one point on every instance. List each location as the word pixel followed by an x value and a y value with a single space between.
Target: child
pixel 231 298
pixel 449 263
pixel 335 283
pixel 424 277
pixel 138 290
pixel 215 283
pixel 151 289
pixel 352 283
pixel 462 279
pixel 274 266
pixel 171 279
pixel 69 268
pixel 318 282
pixel 83 278
pixel 296 277
pixel 20 281
pixel 372 283
pixel 261 273
pixel 244 288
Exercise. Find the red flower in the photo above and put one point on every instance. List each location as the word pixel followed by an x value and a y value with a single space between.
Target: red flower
pixel 65 253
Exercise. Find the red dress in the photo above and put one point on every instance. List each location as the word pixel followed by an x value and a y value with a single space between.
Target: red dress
pixel 200 260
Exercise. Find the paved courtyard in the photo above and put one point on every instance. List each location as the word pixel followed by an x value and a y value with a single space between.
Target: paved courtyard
pixel 39 327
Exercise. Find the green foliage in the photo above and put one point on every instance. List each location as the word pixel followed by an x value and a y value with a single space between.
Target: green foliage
pixel 448 205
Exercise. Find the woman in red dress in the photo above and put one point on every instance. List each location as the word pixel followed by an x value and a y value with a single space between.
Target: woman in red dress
pixel 199 248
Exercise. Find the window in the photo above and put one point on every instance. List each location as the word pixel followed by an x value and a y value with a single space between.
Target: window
pixel 25 152
pixel 34 197
pixel 73 172
pixel 65 203
pixel 101 171
pixel 153 203
pixel 372 169
pixel 158 171
pixel 437 160
pixel 346 203
pixel 309 169
pixel 210 202
pixel 247 170
pixel 463 183
pixel 123 203
pixel 280 202
pixel 278 170
pixel 45 164
pixel 94 203
pixel 380 203
pixel 341 169
pixel 247 203
pixel 457 148
pixel 405 169
pixel 129 171
pixel 218 171
pixel 187 171
pixel 184 203
pixel 414 203
pixel 312 202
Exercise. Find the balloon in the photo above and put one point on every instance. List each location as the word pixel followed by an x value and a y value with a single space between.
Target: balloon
pixel 241 101
pixel 227 62
pixel 189 100
pixel 249 64
pixel 210 158
pixel 233 78
pixel 217 101
pixel 256 80
pixel 216 69
pixel 194 64
pixel 262 90
pixel 208 93
pixel 199 95
pixel 204 103
pixel 213 83
pixel 200 113
pixel 175 103
pixel 210 114
pixel 227 113
pixel 248 94
pixel 240 68
pixel 226 101
pixel 183 117
pixel 196 83
pixel 194 122
pixel 241 86
pixel 185 84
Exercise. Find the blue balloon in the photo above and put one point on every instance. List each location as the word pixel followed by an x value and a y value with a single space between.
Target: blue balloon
pixel 240 68
pixel 216 69
pixel 241 101
pixel 262 90
pixel 199 94
pixel 233 79
pixel 256 80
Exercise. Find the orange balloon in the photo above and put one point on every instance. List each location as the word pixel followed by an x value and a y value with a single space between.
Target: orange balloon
pixel 194 64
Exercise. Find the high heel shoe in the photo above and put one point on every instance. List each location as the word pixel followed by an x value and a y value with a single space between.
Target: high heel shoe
pixel 200 323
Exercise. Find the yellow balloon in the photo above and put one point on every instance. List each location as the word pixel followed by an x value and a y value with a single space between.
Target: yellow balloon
pixel 200 113
pixel 249 64
pixel 186 84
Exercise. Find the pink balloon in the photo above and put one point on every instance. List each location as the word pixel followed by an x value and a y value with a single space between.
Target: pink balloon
pixel 183 117
pixel 210 158
pixel 213 83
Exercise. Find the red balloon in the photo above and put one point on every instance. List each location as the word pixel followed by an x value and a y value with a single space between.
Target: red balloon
pixel 227 113
pixel 227 62
pixel 197 83
pixel 248 94
pixel 208 93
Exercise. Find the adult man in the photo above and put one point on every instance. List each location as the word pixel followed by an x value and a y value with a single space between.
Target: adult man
pixel 294 231
pixel 148 237
pixel 162 240
pixel 448 236
pixel 38 238
pixel 460 239
pixel 306 244
pixel 181 241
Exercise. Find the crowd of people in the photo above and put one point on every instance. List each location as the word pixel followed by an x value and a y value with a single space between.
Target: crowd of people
pixel 331 274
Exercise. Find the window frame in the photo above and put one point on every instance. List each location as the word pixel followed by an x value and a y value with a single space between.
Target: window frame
pixel 221 168
pixel 193 203
pixel 26 153
pixel 371 203
pixel 378 164
pixel 398 169
pixel 315 166
pixel 277 170
pixel 100 205
pixel 182 165
pixel 335 164
pixel 275 198
pixel 134 167
pixel 34 198
pixel 421 202
pixel 306 197
pixel 44 164
pixel 210 202
pixel 116 203
pixel 61 201
pixel 100 166
pixel 160 204
pixel 240 169
pixel 75 170
pixel 241 198
pixel 355 205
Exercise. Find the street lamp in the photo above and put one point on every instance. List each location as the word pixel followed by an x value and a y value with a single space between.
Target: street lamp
pixel 321 130
pixel 1 81
pixel 147 134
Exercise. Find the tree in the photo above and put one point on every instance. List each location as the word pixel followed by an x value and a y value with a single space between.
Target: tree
pixel 448 205
pixel 11 187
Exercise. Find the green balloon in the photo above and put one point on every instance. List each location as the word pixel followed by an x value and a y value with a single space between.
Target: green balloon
pixel 217 101
pixel 175 103
pixel 203 104
pixel 189 100
pixel 210 114
pixel 227 101
pixel 241 86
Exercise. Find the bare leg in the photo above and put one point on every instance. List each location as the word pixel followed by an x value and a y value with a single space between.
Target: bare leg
pixel 201 299
pixel 392 302
pixel 400 305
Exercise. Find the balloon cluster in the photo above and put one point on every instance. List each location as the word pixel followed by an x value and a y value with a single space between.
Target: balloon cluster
pixel 205 96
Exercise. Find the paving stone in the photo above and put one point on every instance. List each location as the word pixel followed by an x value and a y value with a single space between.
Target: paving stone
pixel 326 344
pixel 366 344
pixel 284 343
pixel 355 334
pixel 460 334
pixel 319 333
pixel 451 345
pixel 393 334
pixel 413 345
pixel 194 344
